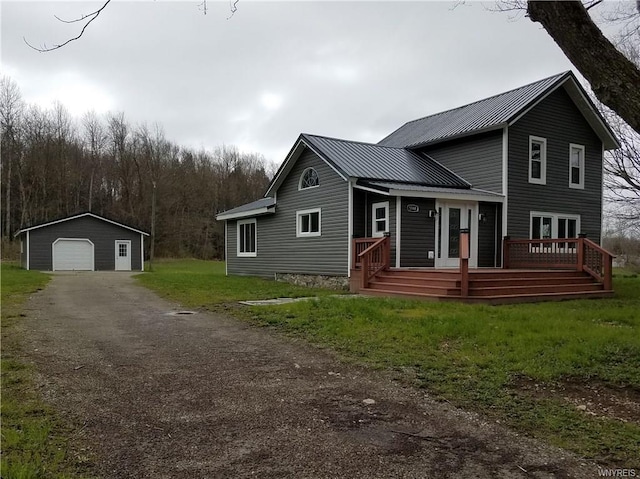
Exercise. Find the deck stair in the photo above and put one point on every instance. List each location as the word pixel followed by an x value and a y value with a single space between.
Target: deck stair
pixel 487 285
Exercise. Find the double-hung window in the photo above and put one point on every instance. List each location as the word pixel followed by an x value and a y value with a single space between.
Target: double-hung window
pixel 247 238
pixel 537 160
pixel 308 223
pixel 576 166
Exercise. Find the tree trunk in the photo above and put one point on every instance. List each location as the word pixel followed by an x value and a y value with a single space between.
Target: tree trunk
pixel 615 80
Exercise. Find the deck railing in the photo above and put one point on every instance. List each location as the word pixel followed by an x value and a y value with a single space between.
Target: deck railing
pixel 374 258
pixel 580 254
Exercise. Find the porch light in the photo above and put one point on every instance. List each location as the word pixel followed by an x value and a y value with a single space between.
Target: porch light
pixel 433 213
pixel 482 218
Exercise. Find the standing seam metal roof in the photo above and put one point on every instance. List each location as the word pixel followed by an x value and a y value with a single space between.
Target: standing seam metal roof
pixel 481 115
pixel 370 161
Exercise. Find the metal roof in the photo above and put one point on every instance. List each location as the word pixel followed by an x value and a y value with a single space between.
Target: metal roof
pixel 375 162
pixel 261 206
pixel 492 113
pixel 80 215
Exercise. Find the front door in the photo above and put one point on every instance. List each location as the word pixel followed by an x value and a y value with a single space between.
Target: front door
pixel 123 255
pixel 452 217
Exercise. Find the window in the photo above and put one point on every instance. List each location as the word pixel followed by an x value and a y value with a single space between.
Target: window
pixel 309 179
pixel 122 250
pixel 308 223
pixel 247 238
pixel 380 219
pixel 576 166
pixel 537 160
pixel 554 225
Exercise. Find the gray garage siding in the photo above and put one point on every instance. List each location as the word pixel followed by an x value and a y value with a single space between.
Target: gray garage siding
pixel 278 248
pixel 478 160
pixel 558 120
pixel 101 233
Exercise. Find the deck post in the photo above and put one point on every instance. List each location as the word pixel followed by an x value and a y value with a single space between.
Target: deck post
pixel 464 277
pixel 364 268
pixel 505 252
pixel 608 272
pixel 464 262
pixel 580 259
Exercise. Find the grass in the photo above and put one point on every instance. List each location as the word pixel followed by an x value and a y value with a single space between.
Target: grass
pixel 203 284
pixel 34 439
pixel 472 355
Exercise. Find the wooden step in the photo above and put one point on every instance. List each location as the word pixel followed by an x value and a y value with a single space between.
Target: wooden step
pixel 535 289
pixel 414 288
pixel 417 280
pixel 554 280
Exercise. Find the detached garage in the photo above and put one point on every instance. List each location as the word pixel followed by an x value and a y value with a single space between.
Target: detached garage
pixel 84 242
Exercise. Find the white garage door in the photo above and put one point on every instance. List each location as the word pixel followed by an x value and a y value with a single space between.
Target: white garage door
pixel 72 255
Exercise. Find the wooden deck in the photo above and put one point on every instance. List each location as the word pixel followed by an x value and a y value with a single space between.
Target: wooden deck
pixel 584 272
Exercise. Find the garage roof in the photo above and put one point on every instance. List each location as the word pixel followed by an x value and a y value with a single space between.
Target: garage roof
pixel 81 215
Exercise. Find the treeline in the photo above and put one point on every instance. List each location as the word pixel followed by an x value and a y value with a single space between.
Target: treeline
pixel 54 166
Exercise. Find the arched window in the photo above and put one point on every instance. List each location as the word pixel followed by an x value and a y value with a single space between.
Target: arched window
pixel 309 179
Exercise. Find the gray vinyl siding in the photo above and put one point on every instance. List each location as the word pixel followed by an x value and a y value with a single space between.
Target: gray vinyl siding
pixel 102 234
pixel 278 248
pixel 488 235
pixel 558 120
pixel 370 199
pixel 477 159
pixel 418 233
pixel 359 213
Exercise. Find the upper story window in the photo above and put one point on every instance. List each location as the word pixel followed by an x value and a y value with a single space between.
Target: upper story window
pixel 309 179
pixel 380 219
pixel 247 238
pixel 576 166
pixel 308 222
pixel 537 160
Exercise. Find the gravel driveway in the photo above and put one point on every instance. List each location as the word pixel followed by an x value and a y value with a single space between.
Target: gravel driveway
pixel 163 395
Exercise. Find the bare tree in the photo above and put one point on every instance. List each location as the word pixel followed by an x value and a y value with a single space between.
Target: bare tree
pixel 614 78
pixel 11 106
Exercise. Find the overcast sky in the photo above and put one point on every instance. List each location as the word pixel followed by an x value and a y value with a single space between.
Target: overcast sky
pixel 275 69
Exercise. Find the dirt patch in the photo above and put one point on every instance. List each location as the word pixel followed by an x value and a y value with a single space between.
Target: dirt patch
pixel 594 398
pixel 205 395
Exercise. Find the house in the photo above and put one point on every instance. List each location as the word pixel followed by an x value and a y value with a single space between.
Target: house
pixel 523 164
pixel 83 242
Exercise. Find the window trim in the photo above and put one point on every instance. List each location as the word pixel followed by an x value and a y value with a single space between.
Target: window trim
pixel 543 160
pixel 308 234
pixel 247 254
pixel 554 222
pixel 300 187
pixel 580 185
pixel 374 206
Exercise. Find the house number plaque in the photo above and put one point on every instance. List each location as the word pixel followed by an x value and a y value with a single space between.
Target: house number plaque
pixel 413 208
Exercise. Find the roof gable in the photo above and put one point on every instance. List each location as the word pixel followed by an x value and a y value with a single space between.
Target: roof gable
pixel 81 215
pixel 352 159
pixel 497 112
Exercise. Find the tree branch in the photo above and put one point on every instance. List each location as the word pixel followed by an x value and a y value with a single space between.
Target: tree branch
pixel 613 77
pixel 91 16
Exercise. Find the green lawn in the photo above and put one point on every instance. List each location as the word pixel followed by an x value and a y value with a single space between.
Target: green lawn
pixel 475 356
pixel 34 439
pixel 203 284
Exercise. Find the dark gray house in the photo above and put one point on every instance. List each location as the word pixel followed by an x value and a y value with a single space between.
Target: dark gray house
pixel 526 164
pixel 83 242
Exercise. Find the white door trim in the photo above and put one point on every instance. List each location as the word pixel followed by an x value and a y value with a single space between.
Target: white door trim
pixel 122 263
pixel 442 260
